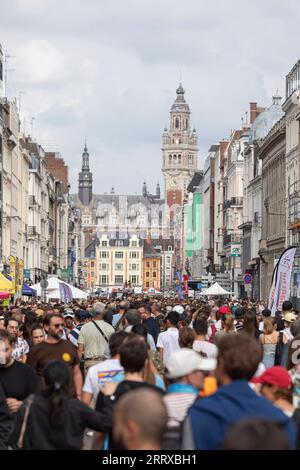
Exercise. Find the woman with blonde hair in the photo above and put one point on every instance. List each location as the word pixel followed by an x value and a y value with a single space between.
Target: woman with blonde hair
pixel 269 340
pixel 227 321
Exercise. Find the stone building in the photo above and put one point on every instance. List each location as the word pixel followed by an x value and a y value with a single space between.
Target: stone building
pixel 273 230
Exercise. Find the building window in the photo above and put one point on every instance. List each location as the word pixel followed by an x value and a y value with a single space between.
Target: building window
pixel 190 159
pixel 92 274
pixel 147 274
pixel 119 267
pixel 147 284
pixel 119 254
pixel 177 123
pixel 134 243
pixel 170 159
pixel 119 242
pixel 104 267
pixel 170 248
pixel 147 264
pixel 154 264
pixel 104 243
pixel 134 279
pixel 104 254
pixel 134 267
pixel 134 254
pixel 179 159
pixel 92 264
pixel 119 280
pixel 154 274
pixel 104 280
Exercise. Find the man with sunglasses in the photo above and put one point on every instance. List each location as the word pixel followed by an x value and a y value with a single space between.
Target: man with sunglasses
pixel 55 348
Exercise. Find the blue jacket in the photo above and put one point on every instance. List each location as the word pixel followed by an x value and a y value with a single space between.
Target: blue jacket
pixel 212 417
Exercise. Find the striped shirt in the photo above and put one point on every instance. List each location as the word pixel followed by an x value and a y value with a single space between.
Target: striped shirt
pixel 178 405
pixel 74 335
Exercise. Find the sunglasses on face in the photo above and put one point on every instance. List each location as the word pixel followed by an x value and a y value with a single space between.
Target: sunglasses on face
pixel 58 325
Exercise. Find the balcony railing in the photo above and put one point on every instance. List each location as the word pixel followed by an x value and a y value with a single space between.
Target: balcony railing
pixel 32 201
pixel 231 239
pixel 31 232
pixel 233 202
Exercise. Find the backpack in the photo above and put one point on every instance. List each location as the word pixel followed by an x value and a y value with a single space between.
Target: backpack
pixel 281 351
pixel 172 437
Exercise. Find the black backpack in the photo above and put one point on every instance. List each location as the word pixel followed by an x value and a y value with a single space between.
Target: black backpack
pixel 281 351
pixel 172 438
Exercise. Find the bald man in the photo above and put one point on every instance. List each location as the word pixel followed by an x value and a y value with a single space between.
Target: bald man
pixel 136 426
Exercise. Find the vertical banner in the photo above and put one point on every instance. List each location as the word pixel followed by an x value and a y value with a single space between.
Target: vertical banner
pixel 65 293
pixel 62 293
pixel 12 271
pixel 69 295
pixel 197 221
pixel 273 289
pixel 189 231
pixel 185 283
pixel 20 276
pixel 282 279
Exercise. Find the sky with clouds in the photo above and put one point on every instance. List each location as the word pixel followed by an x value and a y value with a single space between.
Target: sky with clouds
pixel 108 71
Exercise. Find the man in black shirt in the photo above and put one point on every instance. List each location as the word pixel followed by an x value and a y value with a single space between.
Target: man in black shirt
pixel 133 356
pixel 18 380
pixel 6 422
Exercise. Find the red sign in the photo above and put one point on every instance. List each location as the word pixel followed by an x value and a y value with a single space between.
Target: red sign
pixel 248 278
pixel 185 283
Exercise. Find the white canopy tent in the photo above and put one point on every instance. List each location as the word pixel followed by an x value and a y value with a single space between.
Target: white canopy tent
pixel 52 291
pixel 215 289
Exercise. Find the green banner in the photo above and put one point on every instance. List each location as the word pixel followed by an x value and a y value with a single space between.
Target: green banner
pixel 197 221
pixel 189 231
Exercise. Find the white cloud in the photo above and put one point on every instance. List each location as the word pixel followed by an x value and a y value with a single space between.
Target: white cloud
pixel 108 71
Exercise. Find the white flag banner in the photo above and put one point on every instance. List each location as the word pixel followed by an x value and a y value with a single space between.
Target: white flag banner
pixel 282 280
pixel 273 289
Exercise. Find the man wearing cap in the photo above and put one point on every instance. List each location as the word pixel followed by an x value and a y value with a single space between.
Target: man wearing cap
pixel 185 370
pixel 69 321
pixel 289 317
pixel 210 419
pixel 276 385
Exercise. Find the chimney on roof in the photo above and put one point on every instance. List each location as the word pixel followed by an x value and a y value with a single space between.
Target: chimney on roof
pixel 253 112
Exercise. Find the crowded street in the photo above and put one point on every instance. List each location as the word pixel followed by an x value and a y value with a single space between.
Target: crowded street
pixel 149 232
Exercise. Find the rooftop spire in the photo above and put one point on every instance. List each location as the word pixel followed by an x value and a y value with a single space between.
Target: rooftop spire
pixel 85 158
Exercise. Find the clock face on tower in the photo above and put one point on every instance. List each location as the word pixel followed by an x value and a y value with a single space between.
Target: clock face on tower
pixel 174 182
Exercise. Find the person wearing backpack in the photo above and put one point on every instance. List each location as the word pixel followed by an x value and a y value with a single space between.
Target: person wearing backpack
pixel 94 337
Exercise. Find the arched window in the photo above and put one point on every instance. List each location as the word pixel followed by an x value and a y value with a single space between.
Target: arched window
pixel 170 159
pixel 175 158
pixel 179 159
pixel 186 123
pixel 177 123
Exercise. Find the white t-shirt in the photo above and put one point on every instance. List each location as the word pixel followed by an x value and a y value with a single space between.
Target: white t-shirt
pixel 207 348
pixel 218 325
pixel 102 373
pixel 168 340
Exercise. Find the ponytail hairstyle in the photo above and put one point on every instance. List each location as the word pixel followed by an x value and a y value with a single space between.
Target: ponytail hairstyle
pixel 57 378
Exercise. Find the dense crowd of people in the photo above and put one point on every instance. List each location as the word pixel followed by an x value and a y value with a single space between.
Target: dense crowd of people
pixel 149 373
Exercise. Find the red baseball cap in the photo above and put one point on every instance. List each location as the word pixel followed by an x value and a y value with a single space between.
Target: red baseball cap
pixel 276 375
pixel 224 310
